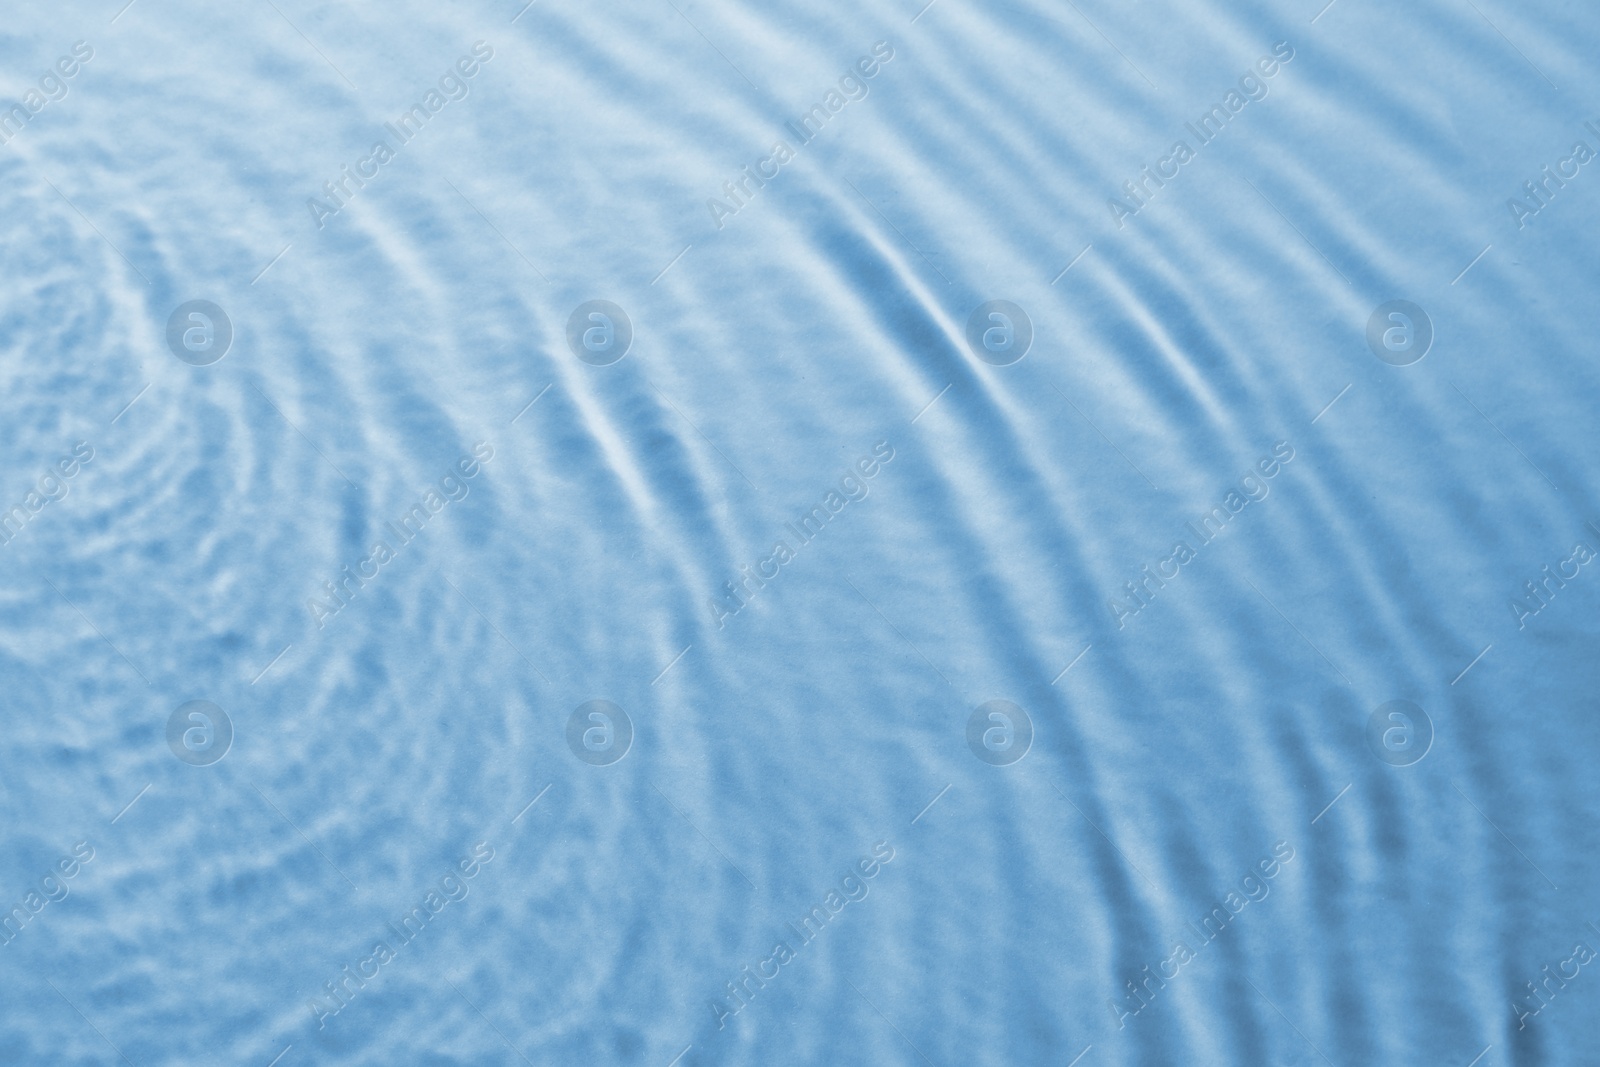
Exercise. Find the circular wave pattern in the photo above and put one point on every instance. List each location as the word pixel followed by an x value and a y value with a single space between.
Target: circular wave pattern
pixel 694 535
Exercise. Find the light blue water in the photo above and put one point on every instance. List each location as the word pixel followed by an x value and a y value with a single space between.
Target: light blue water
pixel 1196 507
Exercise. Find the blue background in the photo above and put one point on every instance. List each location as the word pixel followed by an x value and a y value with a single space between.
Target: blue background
pixel 772 347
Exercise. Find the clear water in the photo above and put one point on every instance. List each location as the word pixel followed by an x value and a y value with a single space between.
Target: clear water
pixel 930 783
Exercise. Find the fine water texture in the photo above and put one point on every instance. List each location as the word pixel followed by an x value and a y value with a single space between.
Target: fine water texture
pixel 689 533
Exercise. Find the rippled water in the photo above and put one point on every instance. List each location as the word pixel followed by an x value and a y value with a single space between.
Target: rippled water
pixel 604 533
